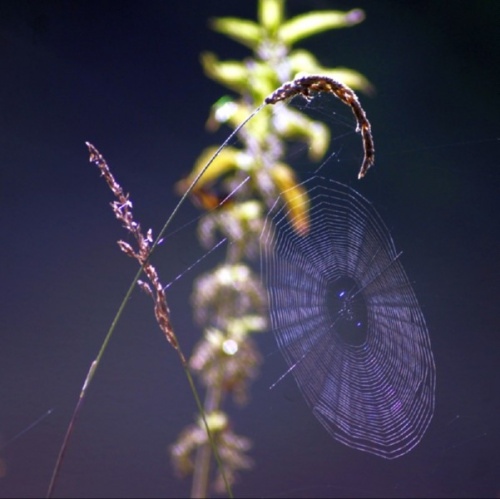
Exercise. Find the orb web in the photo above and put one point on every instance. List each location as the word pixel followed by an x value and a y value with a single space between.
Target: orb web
pixel 347 321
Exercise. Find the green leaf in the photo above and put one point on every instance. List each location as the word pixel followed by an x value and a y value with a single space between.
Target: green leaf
pixel 243 31
pixel 302 61
pixel 312 23
pixel 226 161
pixel 270 14
pixel 294 125
pixel 350 78
pixel 294 196
pixel 232 74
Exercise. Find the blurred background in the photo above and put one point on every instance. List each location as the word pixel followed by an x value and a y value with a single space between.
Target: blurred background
pixel 126 76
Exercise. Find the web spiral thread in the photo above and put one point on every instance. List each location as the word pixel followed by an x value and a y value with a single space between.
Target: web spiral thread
pixel 376 394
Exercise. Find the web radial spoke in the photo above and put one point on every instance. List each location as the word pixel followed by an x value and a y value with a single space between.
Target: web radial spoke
pixel 348 323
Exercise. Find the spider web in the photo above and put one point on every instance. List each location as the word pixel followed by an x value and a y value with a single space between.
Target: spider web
pixel 347 321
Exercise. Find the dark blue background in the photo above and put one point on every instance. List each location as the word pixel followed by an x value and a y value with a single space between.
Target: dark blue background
pixel 126 76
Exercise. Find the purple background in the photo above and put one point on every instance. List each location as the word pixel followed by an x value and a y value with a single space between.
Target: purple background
pixel 126 76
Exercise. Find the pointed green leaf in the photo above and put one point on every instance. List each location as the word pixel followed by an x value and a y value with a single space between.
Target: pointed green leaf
pixel 350 78
pixel 226 161
pixel 294 125
pixel 312 23
pixel 232 74
pixel 294 196
pixel 270 14
pixel 243 31
pixel 302 61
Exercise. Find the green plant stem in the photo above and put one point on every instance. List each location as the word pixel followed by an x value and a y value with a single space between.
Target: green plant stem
pixel 96 362
pixel 201 472
pixel 88 380
pixel 199 488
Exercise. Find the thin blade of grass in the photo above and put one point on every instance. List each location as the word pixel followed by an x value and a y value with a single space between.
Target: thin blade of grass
pixel 95 364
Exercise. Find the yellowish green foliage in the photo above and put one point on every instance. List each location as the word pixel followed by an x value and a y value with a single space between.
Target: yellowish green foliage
pixel 229 302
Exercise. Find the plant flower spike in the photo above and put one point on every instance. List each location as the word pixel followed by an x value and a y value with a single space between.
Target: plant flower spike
pixel 236 190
